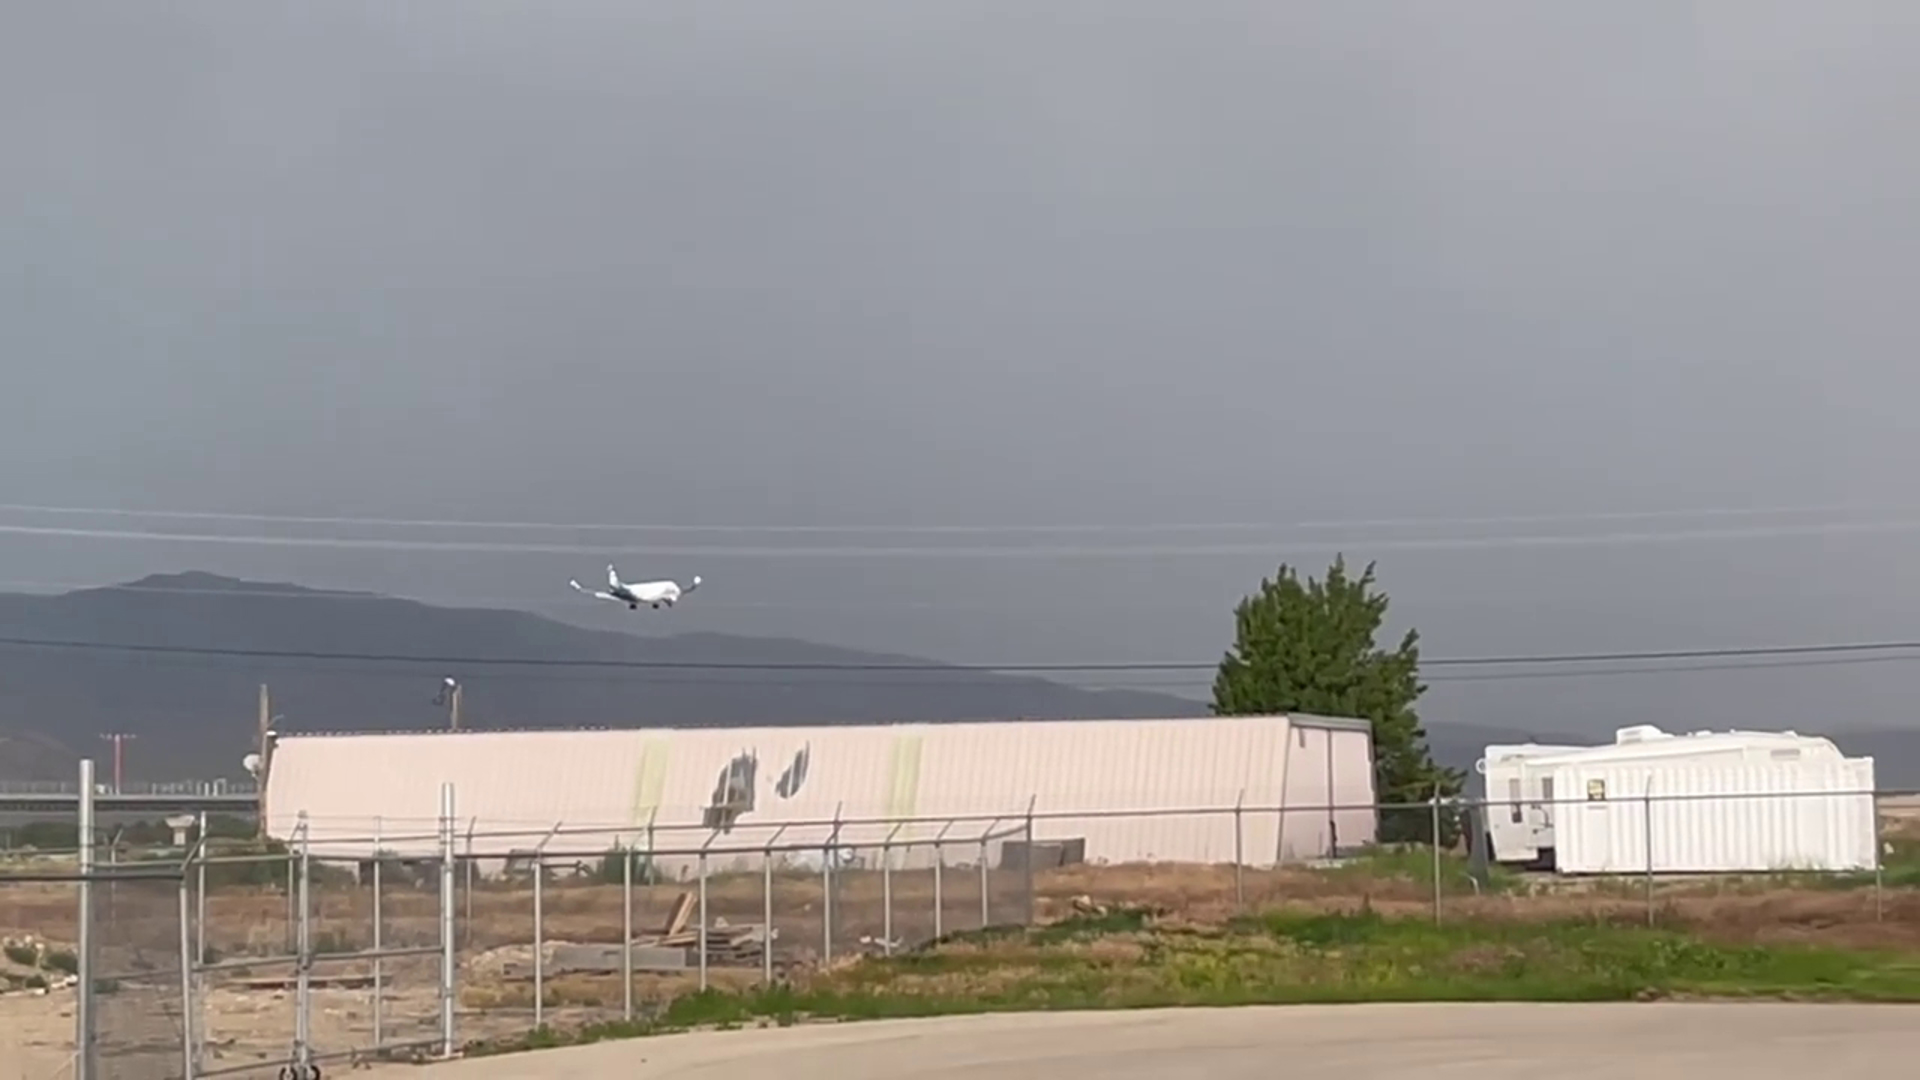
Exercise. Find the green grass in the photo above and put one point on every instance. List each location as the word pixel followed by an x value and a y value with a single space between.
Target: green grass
pixel 1122 961
pixel 1415 863
pixel 1899 869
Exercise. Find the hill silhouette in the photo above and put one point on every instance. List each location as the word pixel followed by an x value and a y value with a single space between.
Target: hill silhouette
pixel 194 715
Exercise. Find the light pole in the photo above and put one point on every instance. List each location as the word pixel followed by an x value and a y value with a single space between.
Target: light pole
pixel 450 697
pixel 118 739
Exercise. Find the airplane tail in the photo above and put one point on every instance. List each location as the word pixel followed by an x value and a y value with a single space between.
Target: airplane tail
pixel 613 577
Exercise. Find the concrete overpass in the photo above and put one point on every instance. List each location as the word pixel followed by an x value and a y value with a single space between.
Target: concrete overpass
pixel 60 799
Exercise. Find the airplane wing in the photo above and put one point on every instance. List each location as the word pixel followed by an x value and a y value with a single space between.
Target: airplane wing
pixel 595 593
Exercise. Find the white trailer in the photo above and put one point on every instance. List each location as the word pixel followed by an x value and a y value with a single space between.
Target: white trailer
pixel 1691 816
pixel 1519 802
pixel 1528 793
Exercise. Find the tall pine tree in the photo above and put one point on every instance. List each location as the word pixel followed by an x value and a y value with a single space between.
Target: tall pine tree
pixel 1311 648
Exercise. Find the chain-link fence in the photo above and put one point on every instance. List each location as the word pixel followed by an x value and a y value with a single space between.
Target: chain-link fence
pixel 111 941
pixel 142 929
pixel 571 927
pixel 409 940
pixel 307 960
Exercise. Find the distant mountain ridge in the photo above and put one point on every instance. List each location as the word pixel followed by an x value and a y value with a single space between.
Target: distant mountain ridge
pixel 195 715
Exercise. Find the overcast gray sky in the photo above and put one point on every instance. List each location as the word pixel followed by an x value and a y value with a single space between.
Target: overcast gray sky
pixel 994 264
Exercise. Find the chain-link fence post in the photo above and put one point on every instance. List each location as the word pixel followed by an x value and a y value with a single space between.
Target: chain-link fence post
pixel 653 852
pixel 766 906
pixel 1879 864
pixel 939 879
pixel 303 956
pixel 1240 853
pixel 200 893
pixel 626 929
pixel 448 942
pixel 540 937
pixel 703 913
pixel 826 890
pixel 189 1022
pixel 293 916
pixel 202 854
pixel 1026 869
pixel 466 923
pixel 886 892
pixel 379 967
pixel 1647 838
pixel 986 881
pixel 1435 842
pixel 86 1042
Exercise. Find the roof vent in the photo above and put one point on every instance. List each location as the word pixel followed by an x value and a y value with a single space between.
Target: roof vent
pixel 1638 733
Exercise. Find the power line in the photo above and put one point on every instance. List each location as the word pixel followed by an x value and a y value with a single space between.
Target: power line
pixel 1825 649
pixel 1166 681
pixel 976 551
pixel 1765 664
pixel 1675 654
pixel 939 529
pixel 561 600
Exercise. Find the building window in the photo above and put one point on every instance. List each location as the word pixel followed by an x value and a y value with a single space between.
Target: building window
pixel 1513 801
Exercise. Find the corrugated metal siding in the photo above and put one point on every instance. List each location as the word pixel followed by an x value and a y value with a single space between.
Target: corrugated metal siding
pixel 1306 827
pixel 1523 771
pixel 653 787
pixel 1708 818
pixel 1113 765
pixel 1356 821
pixel 351 785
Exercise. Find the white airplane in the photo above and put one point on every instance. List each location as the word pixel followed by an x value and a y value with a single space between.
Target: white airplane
pixel 656 594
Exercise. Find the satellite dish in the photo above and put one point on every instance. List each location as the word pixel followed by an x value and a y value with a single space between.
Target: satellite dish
pixel 251 763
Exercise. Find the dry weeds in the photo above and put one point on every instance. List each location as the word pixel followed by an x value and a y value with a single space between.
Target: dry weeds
pixel 255 921
pixel 498 916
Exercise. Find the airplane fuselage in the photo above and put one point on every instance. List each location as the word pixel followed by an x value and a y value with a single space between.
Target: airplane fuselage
pixel 652 593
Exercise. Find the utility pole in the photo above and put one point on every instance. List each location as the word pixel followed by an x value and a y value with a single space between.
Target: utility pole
pixel 450 697
pixel 117 738
pixel 263 747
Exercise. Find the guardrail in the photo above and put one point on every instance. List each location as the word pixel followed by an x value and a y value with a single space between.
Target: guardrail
pixel 191 788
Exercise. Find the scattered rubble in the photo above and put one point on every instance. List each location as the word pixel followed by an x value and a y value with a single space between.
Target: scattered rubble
pixel 674 947
pixel 31 966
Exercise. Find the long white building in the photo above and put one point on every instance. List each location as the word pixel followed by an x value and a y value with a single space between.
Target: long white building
pixel 1130 790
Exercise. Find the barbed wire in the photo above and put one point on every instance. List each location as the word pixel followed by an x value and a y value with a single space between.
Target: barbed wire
pixel 521 525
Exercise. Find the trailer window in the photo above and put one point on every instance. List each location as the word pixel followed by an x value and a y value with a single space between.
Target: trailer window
pixel 1546 799
pixel 1513 800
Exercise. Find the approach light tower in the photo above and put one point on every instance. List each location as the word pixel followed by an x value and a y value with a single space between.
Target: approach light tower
pixel 118 739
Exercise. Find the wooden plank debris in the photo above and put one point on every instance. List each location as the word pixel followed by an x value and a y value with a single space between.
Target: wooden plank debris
pixel 674 947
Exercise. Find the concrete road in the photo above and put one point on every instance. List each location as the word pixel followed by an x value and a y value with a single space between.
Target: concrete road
pixel 1360 1042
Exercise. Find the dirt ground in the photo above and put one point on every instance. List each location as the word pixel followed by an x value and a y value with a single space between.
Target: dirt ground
pixel 250 1019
